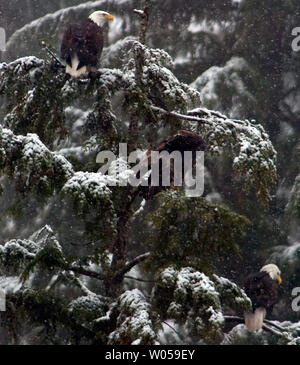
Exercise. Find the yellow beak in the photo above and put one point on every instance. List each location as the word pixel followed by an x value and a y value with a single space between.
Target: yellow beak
pixel 109 17
pixel 279 279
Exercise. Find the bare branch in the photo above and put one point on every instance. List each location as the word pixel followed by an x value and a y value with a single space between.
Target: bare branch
pixel 172 328
pixel 144 15
pixel 80 270
pixel 52 54
pixel 234 319
pixel 132 263
pixel 139 279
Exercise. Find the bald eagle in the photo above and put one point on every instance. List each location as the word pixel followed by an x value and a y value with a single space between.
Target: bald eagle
pixel 262 288
pixel 82 44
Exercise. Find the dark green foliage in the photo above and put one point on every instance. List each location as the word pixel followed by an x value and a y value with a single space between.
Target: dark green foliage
pixel 193 232
pixel 37 90
pixel 195 300
pixel 32 164
pixel 73 275
pixel 30 307
pixel 48 258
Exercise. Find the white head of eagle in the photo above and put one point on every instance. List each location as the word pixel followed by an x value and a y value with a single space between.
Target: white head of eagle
pixel 262 288
pixel 82 44
pixel 273 271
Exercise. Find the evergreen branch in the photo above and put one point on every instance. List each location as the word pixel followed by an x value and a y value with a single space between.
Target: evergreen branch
pixel 180 116
pixel 286 336
pixel 276 325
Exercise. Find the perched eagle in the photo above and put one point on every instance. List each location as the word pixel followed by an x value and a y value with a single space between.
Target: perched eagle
pixel 182 141
pixel 82 44
pixel 262 289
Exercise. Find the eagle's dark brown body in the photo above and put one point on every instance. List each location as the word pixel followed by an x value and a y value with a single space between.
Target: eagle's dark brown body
pixel 84 41
pixel 182 141
pixel 262 290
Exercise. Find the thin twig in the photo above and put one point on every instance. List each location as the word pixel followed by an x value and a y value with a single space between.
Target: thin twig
pixel 234 319
pixel 172 328
pixel 52 54
pixel 138 279
pixel 275 332
pixel 144 14
pixel 83 287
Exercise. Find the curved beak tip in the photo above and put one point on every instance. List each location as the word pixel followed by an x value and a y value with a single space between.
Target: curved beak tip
pixel 279 279
pixel 109 17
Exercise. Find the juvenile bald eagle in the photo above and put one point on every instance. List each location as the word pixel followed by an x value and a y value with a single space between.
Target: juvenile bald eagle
pixel 82 44
pixel 182 141
pixel 262 289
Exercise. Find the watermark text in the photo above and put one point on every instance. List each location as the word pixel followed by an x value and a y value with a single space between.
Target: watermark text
pixel 2 39
pixel 296 300
pixel 296 41
pixel 160 168
pixel 2 300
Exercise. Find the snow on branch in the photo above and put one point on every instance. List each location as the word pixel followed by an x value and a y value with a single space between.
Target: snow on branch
pixel 134 323
pixel 254 157
pixel 88 307
pixel 112 79
pixel 31 164
pixel 92 195
pixel 19 255
pixel 33 87
pixel 17 252
pixel 21 65
pixel 157 80
pixel 231 295
pixel 87 185
pixel 178 115
pixel 197 301
pixel 271 333
pixel 192 299
pixel 23 257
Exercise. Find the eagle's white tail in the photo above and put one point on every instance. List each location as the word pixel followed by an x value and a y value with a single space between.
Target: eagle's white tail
pixel 254 321
pixel 73 70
